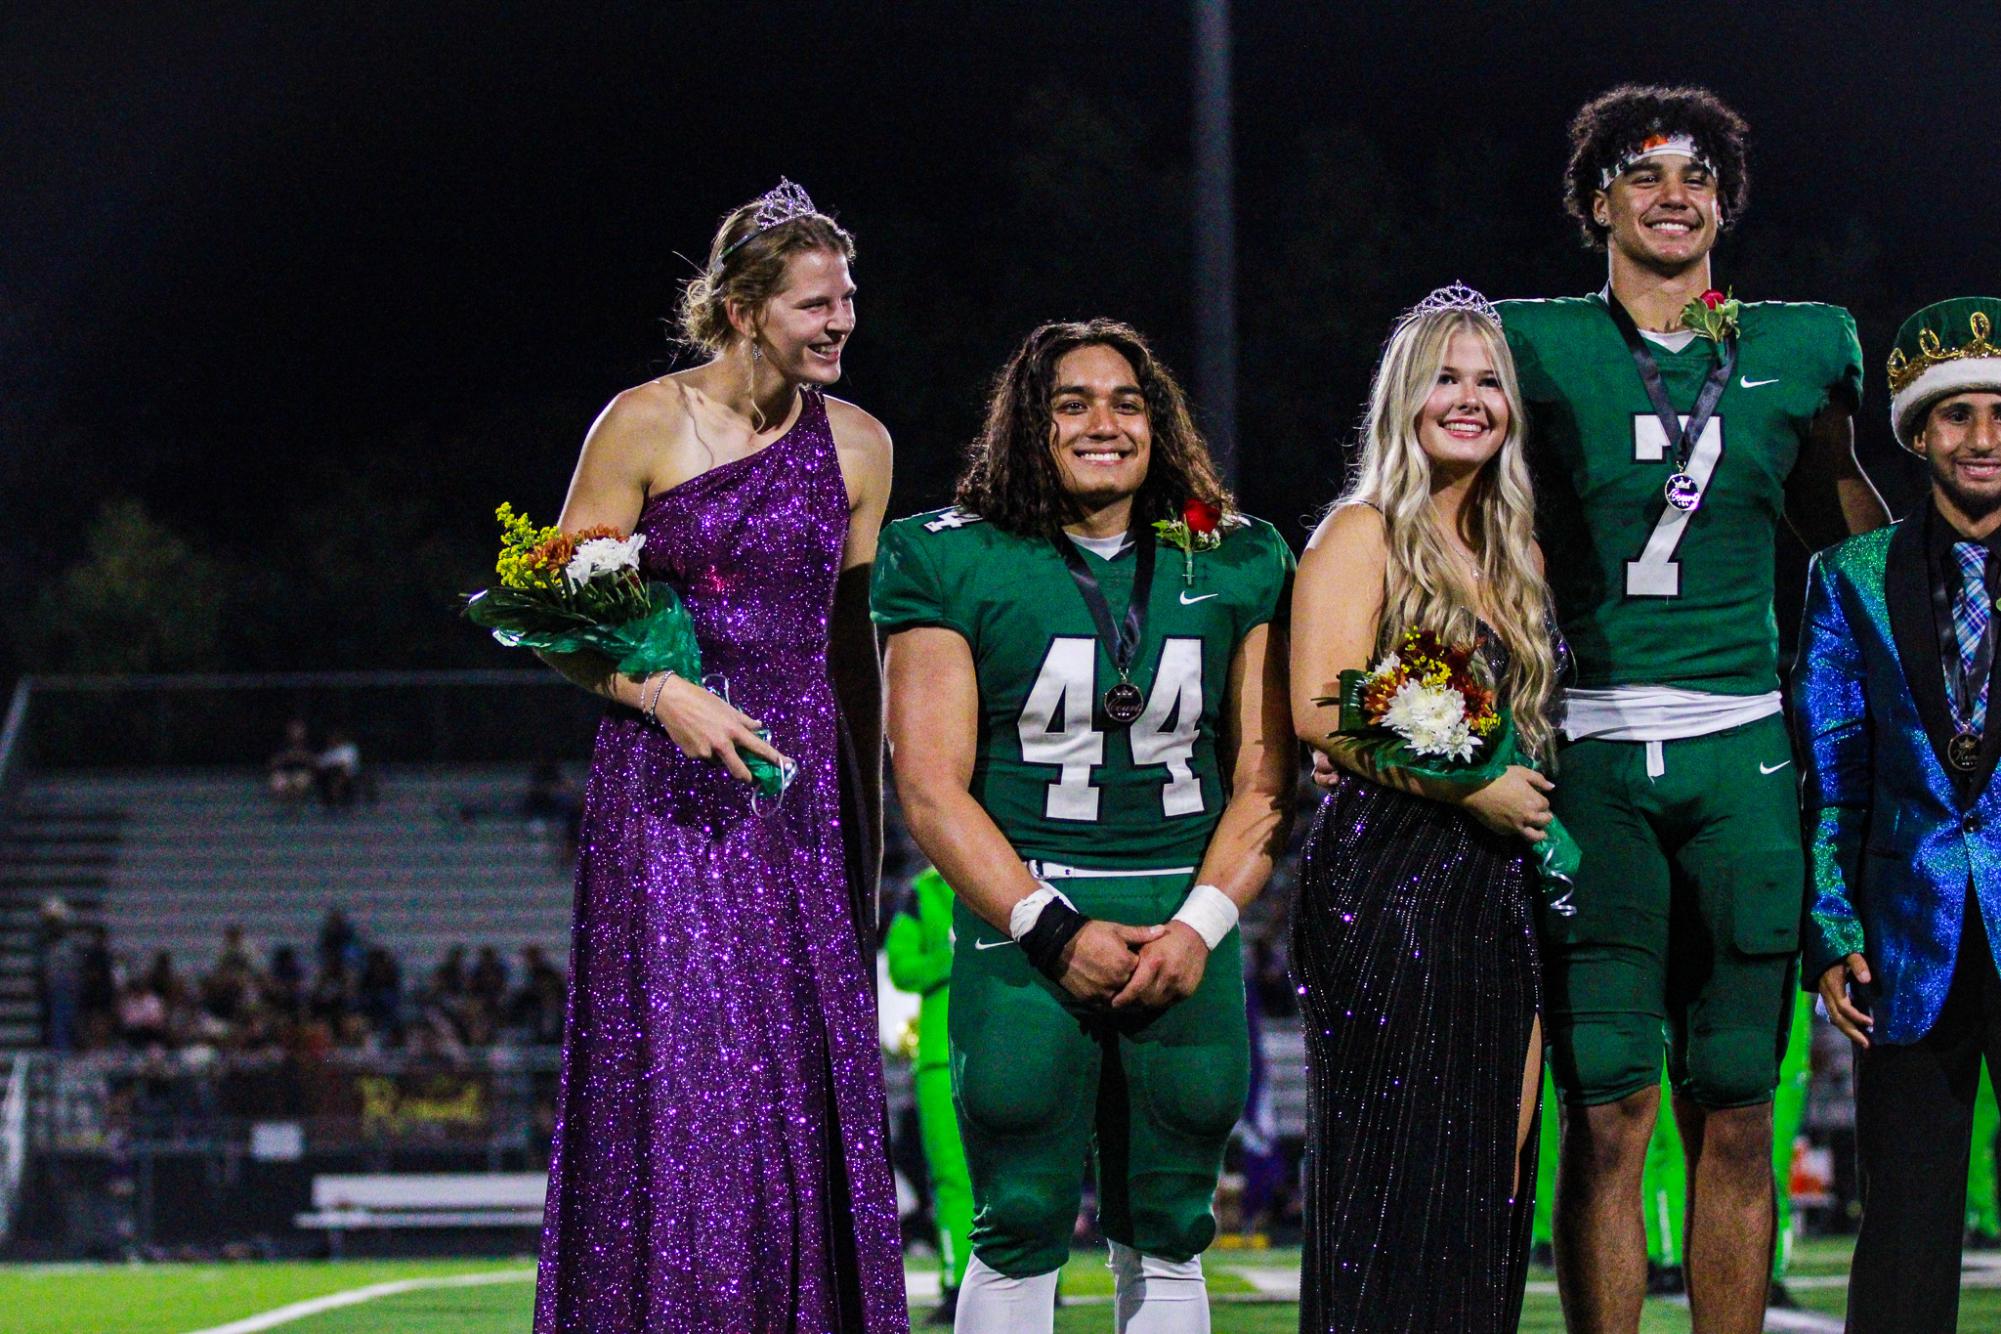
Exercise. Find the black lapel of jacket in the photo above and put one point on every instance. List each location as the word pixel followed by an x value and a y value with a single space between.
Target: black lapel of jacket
pixel 1907 590
pixel 1990 740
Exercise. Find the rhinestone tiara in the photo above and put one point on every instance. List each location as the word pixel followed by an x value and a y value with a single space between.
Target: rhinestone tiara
pixel 780 204
pixel 1457 296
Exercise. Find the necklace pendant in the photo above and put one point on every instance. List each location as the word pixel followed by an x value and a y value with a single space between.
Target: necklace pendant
pixel 1124 703
pixel 1683 493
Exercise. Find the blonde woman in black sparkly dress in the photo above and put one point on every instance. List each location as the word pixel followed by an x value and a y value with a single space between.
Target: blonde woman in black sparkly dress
pixel 1414 945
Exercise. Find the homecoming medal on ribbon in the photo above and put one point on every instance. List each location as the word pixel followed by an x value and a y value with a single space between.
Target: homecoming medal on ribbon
pixel 1963 751
pixel 1124 703
pixel 1679 434
pixel 1120 639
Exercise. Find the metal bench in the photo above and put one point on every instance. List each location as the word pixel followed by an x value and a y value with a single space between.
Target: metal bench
pixel 342 1204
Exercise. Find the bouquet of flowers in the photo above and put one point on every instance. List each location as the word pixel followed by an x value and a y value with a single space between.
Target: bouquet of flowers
pixel 1428 709
pixel 567 592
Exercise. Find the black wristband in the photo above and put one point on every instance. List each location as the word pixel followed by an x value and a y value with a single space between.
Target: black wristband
pixel 1044 942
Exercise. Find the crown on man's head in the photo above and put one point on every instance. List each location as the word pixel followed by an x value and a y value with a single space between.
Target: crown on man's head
pixel 1945 349
pixel 780 204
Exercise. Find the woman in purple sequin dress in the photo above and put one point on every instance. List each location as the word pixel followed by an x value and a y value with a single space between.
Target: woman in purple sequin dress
pixel 720 1160
pixel 1413 942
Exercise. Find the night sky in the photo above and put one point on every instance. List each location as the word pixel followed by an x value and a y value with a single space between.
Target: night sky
pixel 249 254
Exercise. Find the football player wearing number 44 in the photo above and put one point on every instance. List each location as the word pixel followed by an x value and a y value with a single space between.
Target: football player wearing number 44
pixel 1089 729
pixel 1670 429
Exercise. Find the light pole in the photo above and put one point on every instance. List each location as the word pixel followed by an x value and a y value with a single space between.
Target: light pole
pixel 1215 235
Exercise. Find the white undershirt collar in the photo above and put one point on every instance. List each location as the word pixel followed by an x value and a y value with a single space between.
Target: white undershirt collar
pixel 1105 548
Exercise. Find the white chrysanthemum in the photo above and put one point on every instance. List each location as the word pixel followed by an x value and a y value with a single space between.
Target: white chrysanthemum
pixel 603 555
pixel 1426 717
pixel 1389 664
pixel 1460 743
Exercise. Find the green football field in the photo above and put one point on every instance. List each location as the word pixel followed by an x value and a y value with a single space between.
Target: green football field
pixel 488 1297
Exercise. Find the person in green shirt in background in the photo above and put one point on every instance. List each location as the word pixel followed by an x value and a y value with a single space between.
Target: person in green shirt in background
pixel 1983 1210
pixel 1664 1178
pixel 918 947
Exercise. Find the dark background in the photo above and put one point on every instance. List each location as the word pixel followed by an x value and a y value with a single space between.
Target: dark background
pixel 292 295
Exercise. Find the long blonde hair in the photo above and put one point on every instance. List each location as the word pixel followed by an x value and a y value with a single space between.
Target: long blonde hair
pixel 1422 584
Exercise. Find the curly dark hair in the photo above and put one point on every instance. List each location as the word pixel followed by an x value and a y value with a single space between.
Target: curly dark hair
pixel 1613 122
pixel 1011 478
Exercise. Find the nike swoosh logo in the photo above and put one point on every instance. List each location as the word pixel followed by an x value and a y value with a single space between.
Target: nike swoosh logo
pixel 1748 383
pixel 990 944
pixel 1775 768
pixel 1187 601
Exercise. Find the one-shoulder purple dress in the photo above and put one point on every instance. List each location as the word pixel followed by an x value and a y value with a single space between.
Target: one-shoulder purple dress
pixel 720 1160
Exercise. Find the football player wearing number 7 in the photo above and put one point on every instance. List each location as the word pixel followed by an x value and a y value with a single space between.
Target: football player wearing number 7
pixel 1671 428
pixel 1090 734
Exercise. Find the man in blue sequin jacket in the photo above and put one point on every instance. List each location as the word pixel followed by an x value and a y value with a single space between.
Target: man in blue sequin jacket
pixel 1898 737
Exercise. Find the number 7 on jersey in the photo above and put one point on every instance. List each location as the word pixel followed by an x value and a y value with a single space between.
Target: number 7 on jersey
pixel 1656 573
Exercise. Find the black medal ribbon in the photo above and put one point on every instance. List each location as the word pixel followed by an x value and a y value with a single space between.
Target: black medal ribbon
pixel 1962 686
pixel 1123 702
pixel 1682 491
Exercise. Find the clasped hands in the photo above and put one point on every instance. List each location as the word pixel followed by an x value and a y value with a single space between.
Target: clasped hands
pixel 1133 967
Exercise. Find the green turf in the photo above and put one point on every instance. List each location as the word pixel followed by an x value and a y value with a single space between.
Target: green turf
pixel 171 1299
pixel 175 1299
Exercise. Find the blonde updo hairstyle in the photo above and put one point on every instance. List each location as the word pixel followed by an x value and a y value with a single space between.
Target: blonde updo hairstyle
pixel 747 267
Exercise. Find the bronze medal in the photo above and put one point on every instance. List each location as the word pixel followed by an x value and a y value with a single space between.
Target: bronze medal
pixel 1963 751
pixel 1124 703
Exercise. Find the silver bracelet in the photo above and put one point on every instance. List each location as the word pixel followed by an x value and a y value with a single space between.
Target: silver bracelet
pixel 650 710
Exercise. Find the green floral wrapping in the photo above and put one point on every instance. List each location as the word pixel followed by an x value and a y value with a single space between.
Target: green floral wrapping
pixel 1557 856
pixel 663 640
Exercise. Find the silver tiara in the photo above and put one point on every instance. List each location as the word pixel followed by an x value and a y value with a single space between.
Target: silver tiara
pixel 1456 297
pixel 780 204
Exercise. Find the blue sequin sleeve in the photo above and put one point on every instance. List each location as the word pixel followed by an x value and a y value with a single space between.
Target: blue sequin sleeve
pixel 1830 717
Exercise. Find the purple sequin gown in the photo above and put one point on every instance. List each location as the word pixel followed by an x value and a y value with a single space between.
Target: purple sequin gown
pixel 720 1161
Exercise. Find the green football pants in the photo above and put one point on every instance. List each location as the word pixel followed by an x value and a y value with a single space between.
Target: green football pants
pixel 1043 1083
pixel 1688 905
pixel 945 1157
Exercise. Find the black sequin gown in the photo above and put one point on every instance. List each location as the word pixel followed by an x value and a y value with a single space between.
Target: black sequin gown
pixel 1414 951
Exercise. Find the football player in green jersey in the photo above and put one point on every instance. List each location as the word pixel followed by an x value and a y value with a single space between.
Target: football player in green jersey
pixel 1672 427
pixel 1090 734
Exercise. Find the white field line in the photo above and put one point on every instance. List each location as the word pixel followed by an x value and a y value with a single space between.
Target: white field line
pixel 1803 1322
pixel 1272 1284
pixel 334 1301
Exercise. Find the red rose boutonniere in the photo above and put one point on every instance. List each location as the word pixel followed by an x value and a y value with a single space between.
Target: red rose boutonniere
pixel 1198 529
pixel 1713 315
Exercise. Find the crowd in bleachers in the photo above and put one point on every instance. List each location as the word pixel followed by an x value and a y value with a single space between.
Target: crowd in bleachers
pixel 331 771
pixel 346 993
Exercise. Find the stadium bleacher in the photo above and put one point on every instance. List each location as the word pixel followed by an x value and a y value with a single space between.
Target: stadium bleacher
pixel 168 857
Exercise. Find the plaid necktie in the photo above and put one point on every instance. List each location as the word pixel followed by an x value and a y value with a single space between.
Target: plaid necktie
pixel 1971 610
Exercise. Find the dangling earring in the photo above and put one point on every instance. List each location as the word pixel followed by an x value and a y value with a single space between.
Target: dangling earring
pixel 756 351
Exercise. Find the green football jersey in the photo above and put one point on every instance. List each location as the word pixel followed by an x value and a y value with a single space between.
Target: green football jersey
pixel 1061 781
pixel 1645 593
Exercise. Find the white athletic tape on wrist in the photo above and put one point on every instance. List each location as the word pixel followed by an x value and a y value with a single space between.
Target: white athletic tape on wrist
pixel 1021 918
pixel 1211 913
